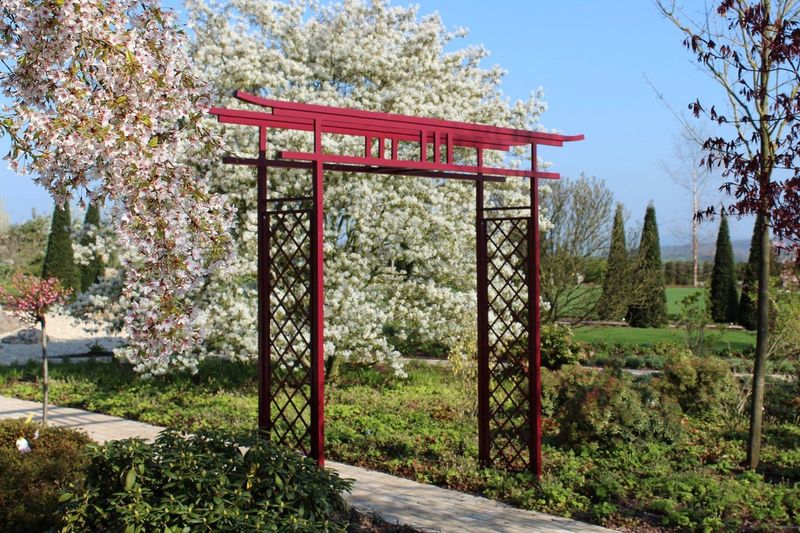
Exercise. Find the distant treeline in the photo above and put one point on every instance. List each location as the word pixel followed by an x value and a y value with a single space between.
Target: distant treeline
pixel 680 272
pixel 675 272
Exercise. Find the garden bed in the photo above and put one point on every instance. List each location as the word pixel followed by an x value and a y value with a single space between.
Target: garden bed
pixel 684 477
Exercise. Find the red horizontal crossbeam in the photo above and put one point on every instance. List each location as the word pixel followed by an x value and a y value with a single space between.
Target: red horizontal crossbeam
pixel 378 119
pixel 368 163
pixel 438 162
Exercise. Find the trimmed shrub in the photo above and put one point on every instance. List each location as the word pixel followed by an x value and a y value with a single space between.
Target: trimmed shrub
pixel 559 348
pixel 30 482
pixel 210 481
pixel 724 298
pixel 702 386
pixel 650 310
pixel 93 270
pixel 608 409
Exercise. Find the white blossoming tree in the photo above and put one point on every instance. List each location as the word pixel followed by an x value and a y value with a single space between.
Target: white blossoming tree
pixel 400 257
pixel 105 105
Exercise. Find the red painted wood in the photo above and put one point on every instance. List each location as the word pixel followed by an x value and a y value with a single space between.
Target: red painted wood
pixel 366 163
pixel 370 117
pixel 264 359
pixel 534 327
pixel 484 435
pixel 317 308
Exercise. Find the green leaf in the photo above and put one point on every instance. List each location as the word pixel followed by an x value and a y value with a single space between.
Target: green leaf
pixel 130 479
pixel 64 497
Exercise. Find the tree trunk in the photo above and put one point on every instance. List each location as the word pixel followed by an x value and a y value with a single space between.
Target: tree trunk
pixel 45 378
pixel 695 208
pixel 759 368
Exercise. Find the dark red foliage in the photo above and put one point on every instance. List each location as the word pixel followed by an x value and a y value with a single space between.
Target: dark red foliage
pixel 766 181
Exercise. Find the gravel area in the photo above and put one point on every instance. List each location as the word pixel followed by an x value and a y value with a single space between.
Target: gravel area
pixel 19 342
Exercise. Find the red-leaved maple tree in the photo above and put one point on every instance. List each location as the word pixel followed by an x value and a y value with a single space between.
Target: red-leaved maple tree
pixel 752 50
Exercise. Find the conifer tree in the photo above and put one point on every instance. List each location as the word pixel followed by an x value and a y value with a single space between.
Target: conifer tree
pixel 747 309
pixel 612 305
pixel 651 310
pixel 91 271
pixel 59 261
pixel 724 300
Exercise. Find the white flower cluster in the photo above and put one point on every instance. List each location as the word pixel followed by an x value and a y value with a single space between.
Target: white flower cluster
pixel 399 250
pixel 105 104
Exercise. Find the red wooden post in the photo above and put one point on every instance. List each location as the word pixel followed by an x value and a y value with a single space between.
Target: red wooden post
pixel 534 327
pixel 484 435
pixel 264 357
pixel 317 306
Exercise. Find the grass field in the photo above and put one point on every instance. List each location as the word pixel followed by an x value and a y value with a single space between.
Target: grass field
pixel 674 296
pixel 735 341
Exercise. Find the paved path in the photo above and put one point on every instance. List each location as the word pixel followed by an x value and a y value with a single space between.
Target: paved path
pixel 396 500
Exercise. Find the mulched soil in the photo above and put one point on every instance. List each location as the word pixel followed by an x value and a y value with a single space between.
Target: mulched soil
pixel 367 522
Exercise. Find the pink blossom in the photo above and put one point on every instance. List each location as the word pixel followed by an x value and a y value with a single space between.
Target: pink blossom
pixel 31 297
pixel 106 105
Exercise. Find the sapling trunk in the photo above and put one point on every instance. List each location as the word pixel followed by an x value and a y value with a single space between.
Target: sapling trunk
pixel 45 378
pixel 760 366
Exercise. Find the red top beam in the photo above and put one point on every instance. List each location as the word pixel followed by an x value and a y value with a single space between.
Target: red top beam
pixel 394 129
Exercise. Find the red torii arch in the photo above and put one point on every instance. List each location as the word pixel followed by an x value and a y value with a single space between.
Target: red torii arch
pixel 509 379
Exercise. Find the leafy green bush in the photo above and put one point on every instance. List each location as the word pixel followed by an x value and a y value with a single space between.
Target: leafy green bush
pixel 559 348
pixel 607 409
pixel 702 386
pixel 204 482
pixel 29 482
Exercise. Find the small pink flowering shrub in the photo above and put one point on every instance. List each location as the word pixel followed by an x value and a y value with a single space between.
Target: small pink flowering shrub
pixel 31 297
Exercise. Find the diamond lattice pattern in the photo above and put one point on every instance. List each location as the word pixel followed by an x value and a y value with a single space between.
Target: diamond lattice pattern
pixel 290 326
pixel 509 406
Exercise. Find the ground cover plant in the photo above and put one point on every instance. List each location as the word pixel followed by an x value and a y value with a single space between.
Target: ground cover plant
pixel 618 451
pixel 208 481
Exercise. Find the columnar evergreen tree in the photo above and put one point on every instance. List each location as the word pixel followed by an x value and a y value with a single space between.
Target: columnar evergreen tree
pixel 59 261
pixel 747 314
pixel 724 300
pixel 93 269
pixel 651 310
pixel 612 305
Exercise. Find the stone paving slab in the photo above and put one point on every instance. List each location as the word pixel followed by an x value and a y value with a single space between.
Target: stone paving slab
pixel 396 500
pixel 100 428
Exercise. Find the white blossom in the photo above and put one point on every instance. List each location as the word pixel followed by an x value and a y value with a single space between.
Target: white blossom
pixel 399 251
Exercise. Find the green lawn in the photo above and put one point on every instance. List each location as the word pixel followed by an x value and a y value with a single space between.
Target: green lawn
pixel 722 340
pixel 424 428
pixel 675 295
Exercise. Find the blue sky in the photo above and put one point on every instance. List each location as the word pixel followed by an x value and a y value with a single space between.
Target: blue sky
pixel 592 59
